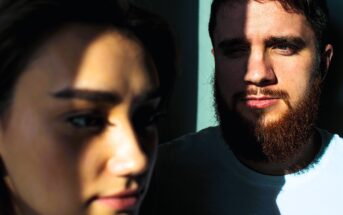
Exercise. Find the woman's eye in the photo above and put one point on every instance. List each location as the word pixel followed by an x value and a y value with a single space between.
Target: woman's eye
pixel 144 119
pixel 89 121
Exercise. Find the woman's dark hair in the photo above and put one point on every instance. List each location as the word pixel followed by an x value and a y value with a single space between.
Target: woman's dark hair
pixel 26 24
pixel 315 11
pixel 158 39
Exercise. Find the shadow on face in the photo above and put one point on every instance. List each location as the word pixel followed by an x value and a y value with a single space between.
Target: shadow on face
pixel 266 66
pixel 80 136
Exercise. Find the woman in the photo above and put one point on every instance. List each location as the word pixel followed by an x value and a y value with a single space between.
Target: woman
pixel 80 89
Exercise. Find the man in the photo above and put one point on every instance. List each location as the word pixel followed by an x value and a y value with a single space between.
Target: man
pixel 267 156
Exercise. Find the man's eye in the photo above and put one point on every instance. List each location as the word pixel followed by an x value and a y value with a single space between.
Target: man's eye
pixel 285 49
pixel 89 121
pixel 236 51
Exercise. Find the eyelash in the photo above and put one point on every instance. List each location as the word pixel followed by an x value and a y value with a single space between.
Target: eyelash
pixel 96 121
pixel 236 52
pixel 90 120
pixel 240 51
pixel 145 118
pixel 291 49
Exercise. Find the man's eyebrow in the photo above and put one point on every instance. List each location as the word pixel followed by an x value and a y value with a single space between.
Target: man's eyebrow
pixel 88 95
pixel 298 41
pixel 233 42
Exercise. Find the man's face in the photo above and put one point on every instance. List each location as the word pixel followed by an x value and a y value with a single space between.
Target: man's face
pixel 78 137
pixel 265 60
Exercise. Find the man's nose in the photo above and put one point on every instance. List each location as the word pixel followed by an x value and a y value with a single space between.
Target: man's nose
pixel 128 158
pixel 259 70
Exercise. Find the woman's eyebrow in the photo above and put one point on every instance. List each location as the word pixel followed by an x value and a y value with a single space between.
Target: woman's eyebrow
pixel 99 96
pixel 88 95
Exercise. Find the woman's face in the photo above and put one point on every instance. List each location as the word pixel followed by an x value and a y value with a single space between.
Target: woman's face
pixel 79 136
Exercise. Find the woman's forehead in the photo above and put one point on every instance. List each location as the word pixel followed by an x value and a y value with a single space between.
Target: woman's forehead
pixel 89 59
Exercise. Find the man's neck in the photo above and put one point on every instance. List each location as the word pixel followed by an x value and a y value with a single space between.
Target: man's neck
pixel 296 163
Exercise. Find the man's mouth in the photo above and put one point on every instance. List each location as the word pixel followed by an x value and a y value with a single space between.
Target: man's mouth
pixel 260 102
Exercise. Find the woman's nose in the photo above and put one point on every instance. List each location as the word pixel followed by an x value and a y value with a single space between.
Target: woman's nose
pixel 128 157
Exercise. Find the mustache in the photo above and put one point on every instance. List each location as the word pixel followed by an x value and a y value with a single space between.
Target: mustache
pixel 281 94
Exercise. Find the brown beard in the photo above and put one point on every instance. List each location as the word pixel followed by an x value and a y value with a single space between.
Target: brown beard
pixel 276 142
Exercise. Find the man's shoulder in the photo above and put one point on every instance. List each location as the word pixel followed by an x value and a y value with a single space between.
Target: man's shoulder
pixel 194 151
pixel 329 139
pixel 183 169
pixel 192 142
pixel 332 145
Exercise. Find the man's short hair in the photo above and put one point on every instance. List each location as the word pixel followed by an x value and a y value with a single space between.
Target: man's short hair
pixel 315 11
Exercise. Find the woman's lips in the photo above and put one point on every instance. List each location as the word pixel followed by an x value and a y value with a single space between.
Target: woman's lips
pixel 260 102
pixel 122 201
pixel 119 203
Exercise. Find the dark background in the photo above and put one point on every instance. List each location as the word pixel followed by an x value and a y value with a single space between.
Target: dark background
pixel 182 15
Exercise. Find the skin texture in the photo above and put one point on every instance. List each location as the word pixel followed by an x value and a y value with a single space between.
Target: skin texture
pixel 260 47
pixel 65 150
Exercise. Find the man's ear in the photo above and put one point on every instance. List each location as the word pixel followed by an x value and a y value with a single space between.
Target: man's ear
pixel 212 51
pixel 326 59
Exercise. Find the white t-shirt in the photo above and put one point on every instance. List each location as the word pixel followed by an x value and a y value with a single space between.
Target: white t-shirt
pixel 198 174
